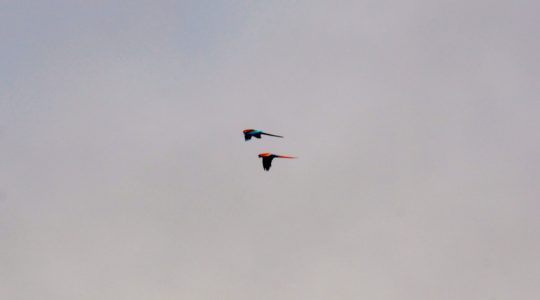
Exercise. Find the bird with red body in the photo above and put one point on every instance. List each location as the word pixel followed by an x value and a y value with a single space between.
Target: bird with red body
pixel 268 157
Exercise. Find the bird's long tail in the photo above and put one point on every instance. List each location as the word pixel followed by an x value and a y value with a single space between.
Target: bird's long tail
pixel 279 136
pixel 285 156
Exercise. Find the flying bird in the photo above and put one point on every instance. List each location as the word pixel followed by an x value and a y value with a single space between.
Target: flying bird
pixel 249 133
pixel 268 157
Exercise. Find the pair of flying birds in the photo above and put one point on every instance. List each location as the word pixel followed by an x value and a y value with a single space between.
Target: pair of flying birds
pixel 266 157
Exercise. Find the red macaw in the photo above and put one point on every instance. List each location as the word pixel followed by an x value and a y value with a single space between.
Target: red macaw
pixel 268 157
pixel 249 133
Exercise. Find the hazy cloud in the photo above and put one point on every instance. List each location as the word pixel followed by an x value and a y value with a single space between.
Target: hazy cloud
pixel 125 174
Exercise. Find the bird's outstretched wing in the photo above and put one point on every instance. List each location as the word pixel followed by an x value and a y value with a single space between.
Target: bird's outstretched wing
pixel 267 162
pixel 247 137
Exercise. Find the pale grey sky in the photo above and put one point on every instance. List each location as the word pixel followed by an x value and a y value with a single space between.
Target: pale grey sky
pixel 125 175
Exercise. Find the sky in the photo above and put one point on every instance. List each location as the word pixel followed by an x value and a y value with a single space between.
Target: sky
pixel 124 173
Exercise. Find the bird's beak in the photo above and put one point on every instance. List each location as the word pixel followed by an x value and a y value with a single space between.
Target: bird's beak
pixel 285 156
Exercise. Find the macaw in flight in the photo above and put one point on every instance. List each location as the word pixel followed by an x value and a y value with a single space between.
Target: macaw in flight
pixel 268 157
pixel 249 133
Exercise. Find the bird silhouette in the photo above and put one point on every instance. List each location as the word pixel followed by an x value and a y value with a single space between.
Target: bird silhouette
pixel 268 157
pixel 249 133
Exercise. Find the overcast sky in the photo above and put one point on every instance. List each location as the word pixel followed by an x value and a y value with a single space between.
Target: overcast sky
pixel 124 173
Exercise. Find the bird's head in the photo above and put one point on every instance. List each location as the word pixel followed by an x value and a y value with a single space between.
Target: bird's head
pixel 248 130
pixel 265 154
